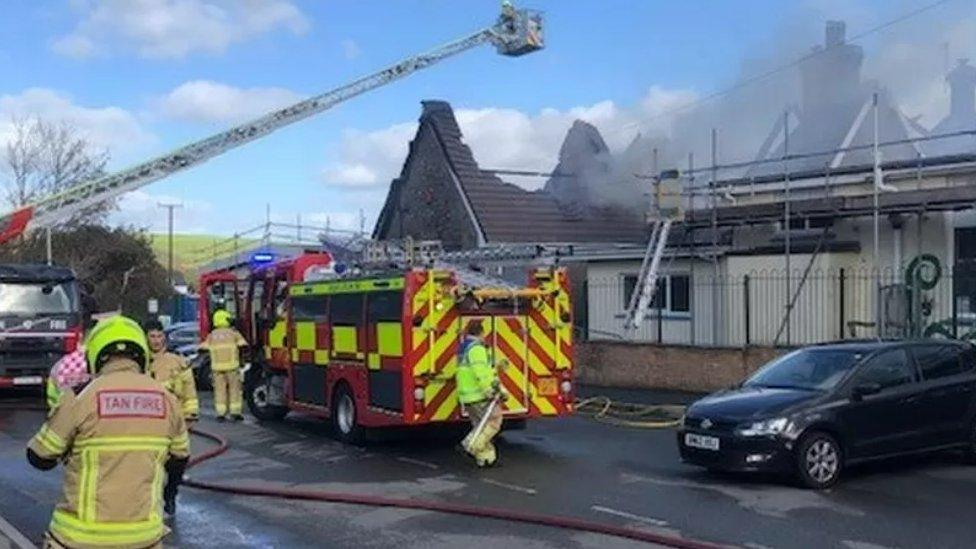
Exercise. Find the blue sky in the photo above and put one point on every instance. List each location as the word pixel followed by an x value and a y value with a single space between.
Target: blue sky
pixel 145 76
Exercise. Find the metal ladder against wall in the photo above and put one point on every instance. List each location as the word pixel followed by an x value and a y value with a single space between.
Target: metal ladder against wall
pixel 646 285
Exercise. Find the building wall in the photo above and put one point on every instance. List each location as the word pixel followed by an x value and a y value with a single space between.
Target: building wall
pixel 431 207
pixel 836 300
pixel 679 368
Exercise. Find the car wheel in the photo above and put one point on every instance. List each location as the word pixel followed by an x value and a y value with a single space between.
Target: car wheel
pixel 345 422
pixel 819 461
pixel 258 392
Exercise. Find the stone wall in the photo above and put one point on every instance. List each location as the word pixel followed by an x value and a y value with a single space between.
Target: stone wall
pixel 672 367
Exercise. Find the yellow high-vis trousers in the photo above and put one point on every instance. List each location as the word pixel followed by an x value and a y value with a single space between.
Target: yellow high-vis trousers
pixel 227 392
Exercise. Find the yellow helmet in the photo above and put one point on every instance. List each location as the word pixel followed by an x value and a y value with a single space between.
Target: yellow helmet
pixel 221 319
pixel 115 336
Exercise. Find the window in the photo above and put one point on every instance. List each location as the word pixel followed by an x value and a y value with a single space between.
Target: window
pixel 938 361
pixel 889 369
pixel 673 293
pixel 37 298
pixel 347 309
pixel 384 306
pixel 680 294
pixel 309 307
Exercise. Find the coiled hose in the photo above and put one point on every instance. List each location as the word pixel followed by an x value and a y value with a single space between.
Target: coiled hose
pixel 552 521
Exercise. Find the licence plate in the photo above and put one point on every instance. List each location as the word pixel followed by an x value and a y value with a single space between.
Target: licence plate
pixel 28 380
pixel 702 442
pixel 548 386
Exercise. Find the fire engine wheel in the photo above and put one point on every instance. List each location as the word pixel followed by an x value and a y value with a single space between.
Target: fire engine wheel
pixel 345 423
pixel 258 401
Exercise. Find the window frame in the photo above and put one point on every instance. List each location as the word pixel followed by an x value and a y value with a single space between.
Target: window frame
pixel 667 311
pixel 957 352
pixel 866 363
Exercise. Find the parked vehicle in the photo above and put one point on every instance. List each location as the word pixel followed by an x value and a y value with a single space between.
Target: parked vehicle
pixel 40 321
pixel 181 334
pixel 819 409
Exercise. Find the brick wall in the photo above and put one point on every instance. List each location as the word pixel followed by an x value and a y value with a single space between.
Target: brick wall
pixel 680 368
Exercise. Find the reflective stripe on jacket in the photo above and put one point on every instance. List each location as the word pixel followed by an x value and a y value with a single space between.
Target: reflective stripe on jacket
pixel 172 371
pixel 115 436
pixel 476 377
pixel 223 344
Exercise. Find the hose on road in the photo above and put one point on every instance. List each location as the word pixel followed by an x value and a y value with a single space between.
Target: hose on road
pixel 625 414
pixel 552 521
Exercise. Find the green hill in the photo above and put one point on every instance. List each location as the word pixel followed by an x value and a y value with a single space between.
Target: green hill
pixel 191 251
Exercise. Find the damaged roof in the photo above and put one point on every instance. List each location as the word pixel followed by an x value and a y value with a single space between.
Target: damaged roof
pixel 507 213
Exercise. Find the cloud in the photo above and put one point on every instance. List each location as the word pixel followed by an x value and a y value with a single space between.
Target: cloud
pixel 350 49
pixel 111 128
pixel 173 29
pixel 141 209
pixel 502 138
pixel 207 101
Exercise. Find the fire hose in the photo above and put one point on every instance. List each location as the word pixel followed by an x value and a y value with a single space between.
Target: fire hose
pixel 526 517
pixel 624 414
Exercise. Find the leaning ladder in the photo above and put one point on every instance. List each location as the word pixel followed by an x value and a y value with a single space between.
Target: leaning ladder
pixel 643 293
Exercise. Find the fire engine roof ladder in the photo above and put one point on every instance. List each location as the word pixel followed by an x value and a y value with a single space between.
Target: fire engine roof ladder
pixel 515 33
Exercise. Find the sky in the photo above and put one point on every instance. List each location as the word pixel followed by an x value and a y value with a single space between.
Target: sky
pixel 141 77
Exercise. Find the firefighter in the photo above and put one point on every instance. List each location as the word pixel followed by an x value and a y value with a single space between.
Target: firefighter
pixel 114 437
pixel 479 391
pixel 225 345
pixel 172 371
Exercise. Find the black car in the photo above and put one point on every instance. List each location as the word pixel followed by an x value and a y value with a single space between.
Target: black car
pixel 815 410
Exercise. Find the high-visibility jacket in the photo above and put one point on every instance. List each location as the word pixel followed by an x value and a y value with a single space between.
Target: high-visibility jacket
pixel 223 345
pixel 115 435
pixel 476 377
pixel 172 371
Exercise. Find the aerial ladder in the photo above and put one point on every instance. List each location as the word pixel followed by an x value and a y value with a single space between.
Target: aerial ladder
pixel 515 33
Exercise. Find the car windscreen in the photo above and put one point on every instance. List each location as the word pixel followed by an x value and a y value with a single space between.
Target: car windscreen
pixel 808 369
pixel 38 298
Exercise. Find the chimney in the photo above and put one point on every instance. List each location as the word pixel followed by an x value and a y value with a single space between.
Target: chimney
pixel 831 78
pixel 962 83
pixel 835 33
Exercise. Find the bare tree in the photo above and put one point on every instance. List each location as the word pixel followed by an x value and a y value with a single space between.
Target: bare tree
pixel 43 157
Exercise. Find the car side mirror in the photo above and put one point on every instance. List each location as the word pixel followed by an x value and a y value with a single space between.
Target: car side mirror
pixel 865 389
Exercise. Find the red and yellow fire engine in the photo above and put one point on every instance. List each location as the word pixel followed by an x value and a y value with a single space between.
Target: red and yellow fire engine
pixel 381 349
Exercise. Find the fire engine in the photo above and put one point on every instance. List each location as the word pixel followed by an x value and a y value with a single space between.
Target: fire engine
pixel 379 348
pixel 40 320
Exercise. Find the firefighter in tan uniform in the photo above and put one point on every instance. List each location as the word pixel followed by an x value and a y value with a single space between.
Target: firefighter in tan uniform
pixel 224 345
pixel 114 438
pixel 172 371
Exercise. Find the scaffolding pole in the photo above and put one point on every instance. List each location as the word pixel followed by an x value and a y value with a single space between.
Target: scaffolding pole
pixel 786 216
pixel 716 292
pixel 691 246
pixel 879 329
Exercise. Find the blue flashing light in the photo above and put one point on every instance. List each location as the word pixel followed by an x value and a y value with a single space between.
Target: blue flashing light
pixel 339 268
pixel 262 257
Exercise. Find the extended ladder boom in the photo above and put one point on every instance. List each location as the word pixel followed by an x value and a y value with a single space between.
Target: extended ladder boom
pixel 516 32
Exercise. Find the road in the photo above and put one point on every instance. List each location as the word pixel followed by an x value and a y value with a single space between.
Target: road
pixel 572 467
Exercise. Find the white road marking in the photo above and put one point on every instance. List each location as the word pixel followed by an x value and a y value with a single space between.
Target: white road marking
pixel 418 462
pixel 626 515
pixel 524 490
pixel 18 539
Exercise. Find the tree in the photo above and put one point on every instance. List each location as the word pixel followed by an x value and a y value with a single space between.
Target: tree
pixel 44 157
